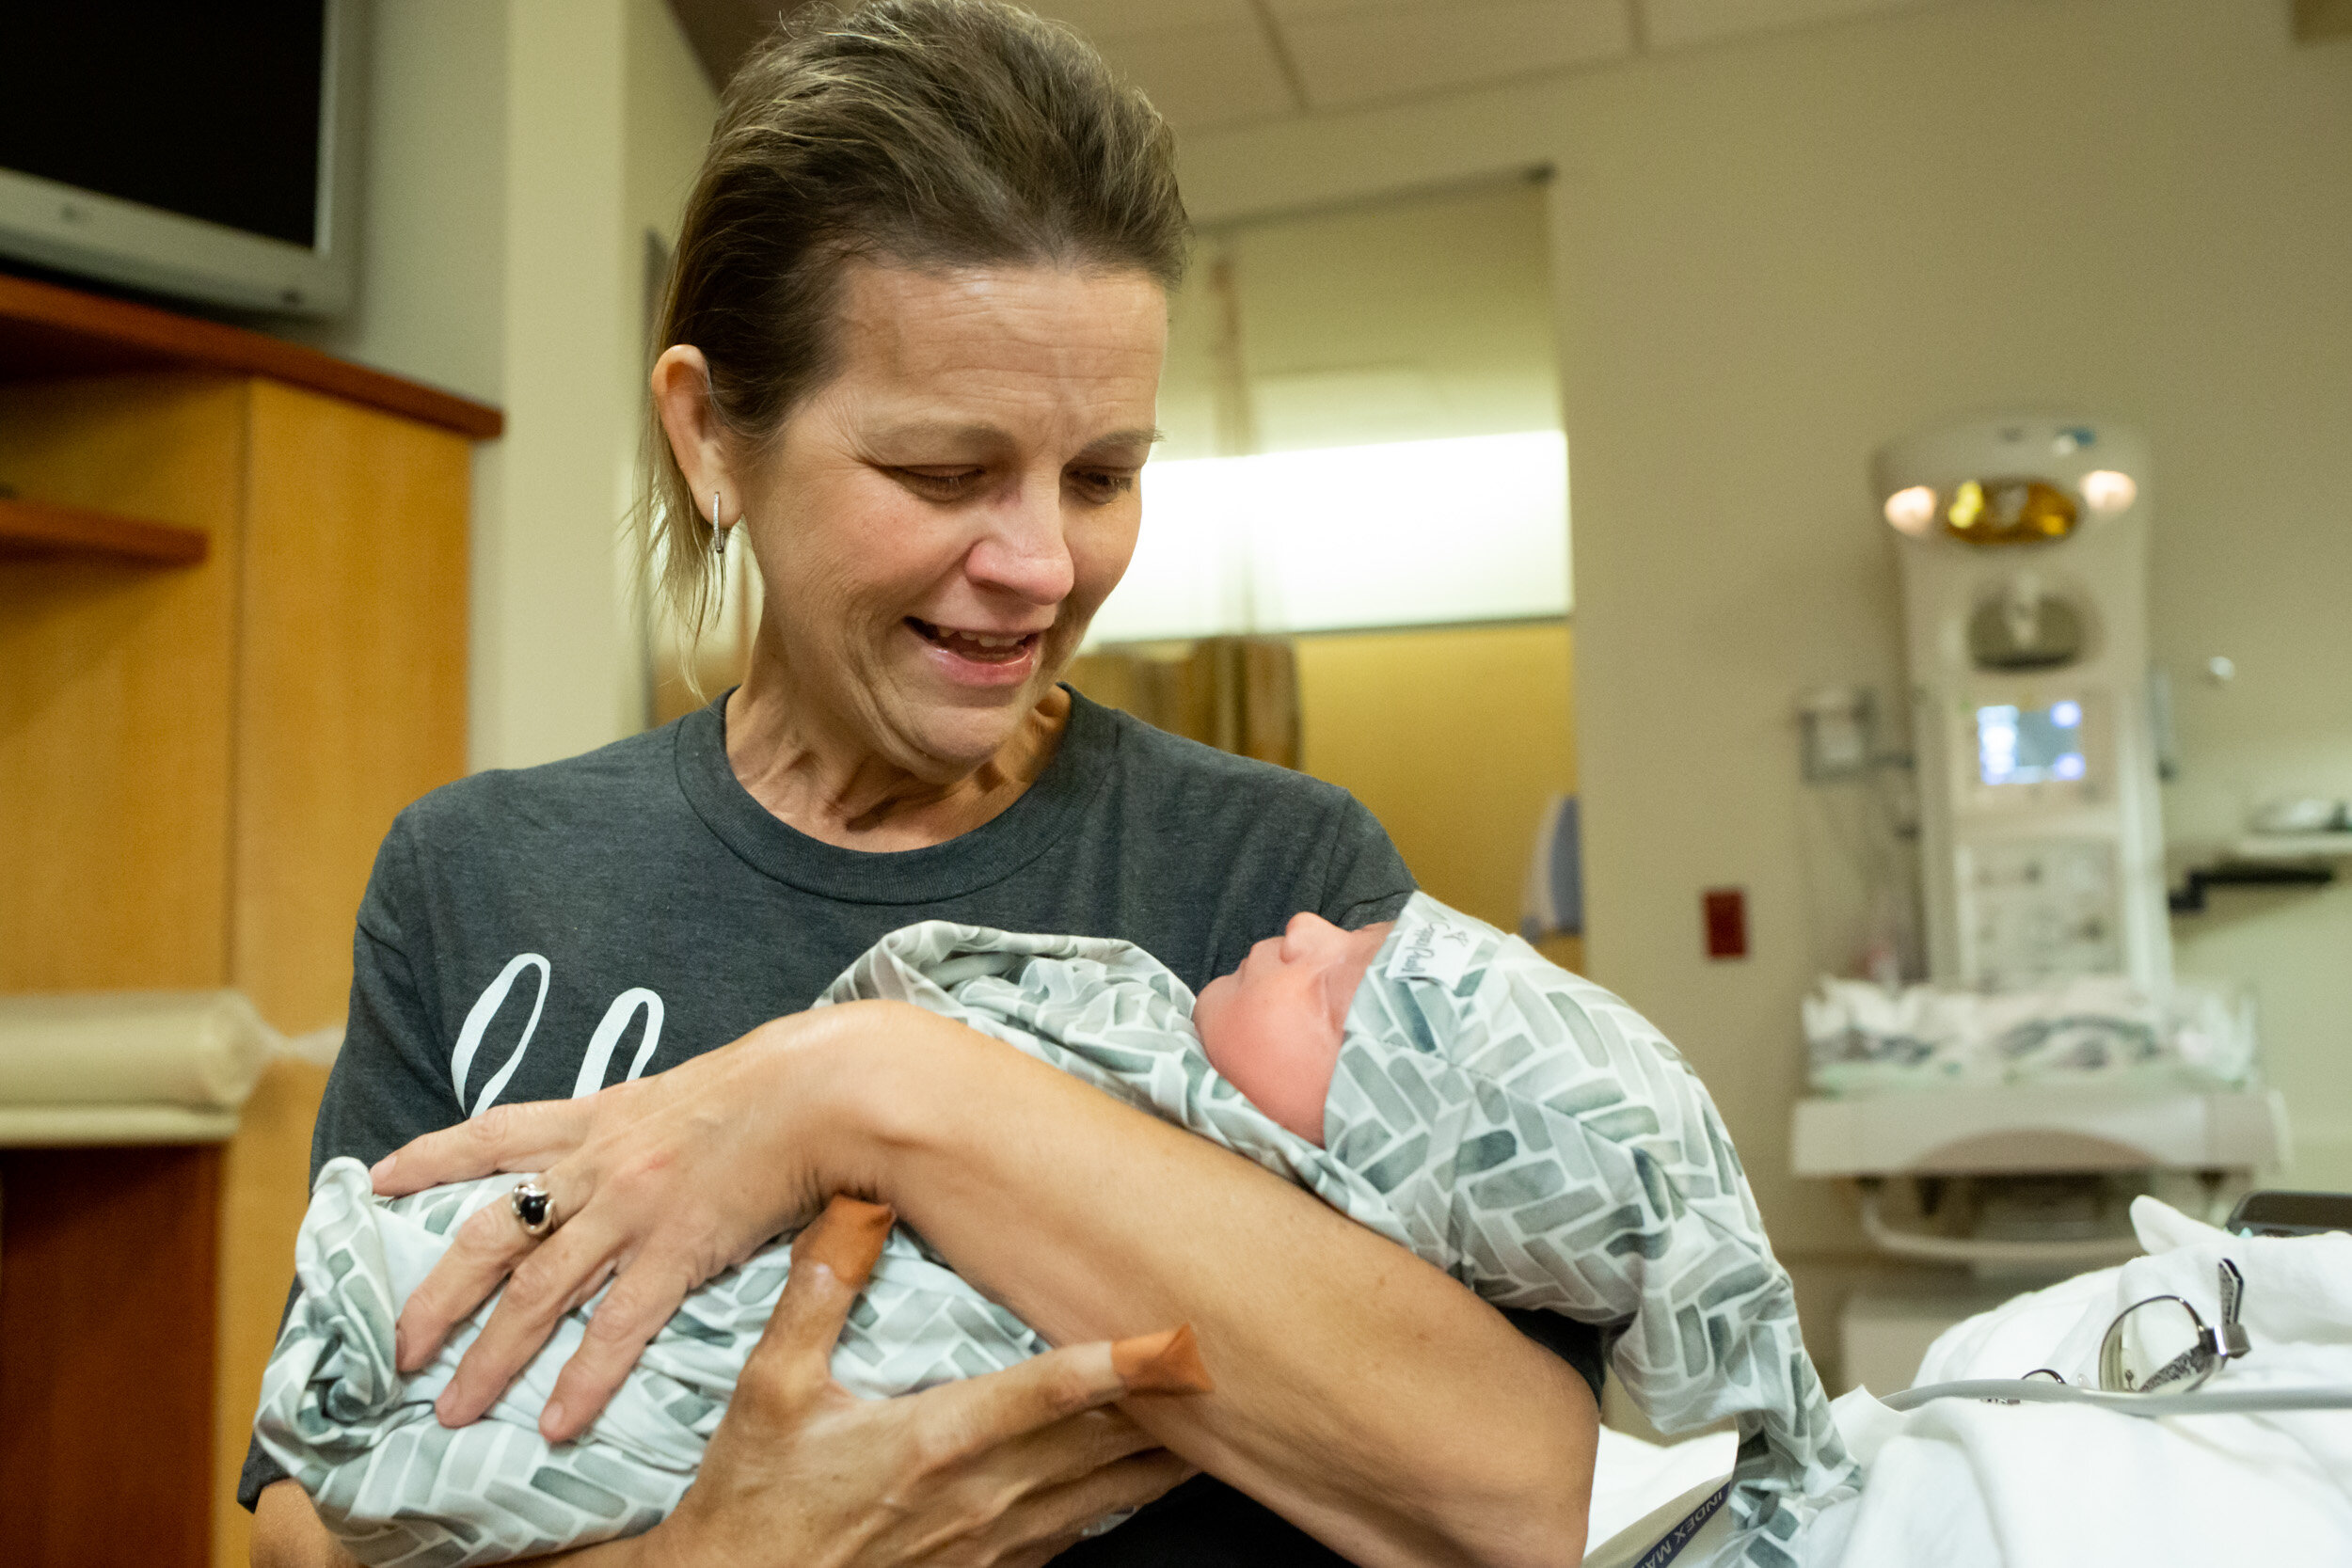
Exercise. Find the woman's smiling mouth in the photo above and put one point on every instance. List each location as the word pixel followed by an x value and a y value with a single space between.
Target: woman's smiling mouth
pixel 980 647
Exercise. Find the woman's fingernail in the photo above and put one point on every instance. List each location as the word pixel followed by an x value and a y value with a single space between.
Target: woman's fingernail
pixel 399 1348
pixel 551 1421
pixel 1167 1362
pixel 847 1236
pixel 381 1171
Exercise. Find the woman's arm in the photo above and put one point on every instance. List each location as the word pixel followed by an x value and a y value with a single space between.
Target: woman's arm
pixel 1360 1392
pixel 287 1532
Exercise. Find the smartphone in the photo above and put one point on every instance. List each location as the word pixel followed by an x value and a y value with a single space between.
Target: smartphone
pixel 2290 1214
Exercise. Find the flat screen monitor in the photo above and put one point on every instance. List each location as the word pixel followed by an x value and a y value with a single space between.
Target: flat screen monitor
pixel 205 152
pixel 2030 745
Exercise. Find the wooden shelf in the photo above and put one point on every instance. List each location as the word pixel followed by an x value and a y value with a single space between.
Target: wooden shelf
pixel 41 528
pixel 47 331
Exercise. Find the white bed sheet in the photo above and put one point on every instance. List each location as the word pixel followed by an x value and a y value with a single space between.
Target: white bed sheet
pixel 1972 1484
pixel 1964 1483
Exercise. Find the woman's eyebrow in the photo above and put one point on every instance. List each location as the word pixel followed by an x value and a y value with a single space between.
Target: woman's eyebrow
pixel 949 432
pixel 1125 441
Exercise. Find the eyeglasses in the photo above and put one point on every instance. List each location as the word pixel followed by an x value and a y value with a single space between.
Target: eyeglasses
pixel 2164 1345
pixel 2160 1347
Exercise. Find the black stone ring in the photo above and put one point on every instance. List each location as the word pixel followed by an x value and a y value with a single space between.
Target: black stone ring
pixel 535 1211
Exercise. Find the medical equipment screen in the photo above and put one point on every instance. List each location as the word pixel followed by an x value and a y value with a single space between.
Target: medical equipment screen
pixel 2034 745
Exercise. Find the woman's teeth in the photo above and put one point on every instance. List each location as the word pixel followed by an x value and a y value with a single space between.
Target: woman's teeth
pixel 986 647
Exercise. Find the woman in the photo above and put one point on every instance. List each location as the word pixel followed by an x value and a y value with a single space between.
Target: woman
pixel 920 309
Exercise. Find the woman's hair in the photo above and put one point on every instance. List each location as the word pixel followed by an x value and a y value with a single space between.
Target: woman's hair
pixel 928 133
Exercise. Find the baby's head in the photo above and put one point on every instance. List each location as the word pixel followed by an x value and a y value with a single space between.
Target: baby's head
pixel 1273 1026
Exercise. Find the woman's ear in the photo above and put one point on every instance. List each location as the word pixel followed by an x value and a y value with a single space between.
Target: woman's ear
pixel 681 392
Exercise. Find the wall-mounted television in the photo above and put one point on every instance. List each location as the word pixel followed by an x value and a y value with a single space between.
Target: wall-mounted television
pixel 207 151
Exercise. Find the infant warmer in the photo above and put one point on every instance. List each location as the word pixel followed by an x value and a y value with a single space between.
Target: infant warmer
pixel 2025 571
pixel 2051 1064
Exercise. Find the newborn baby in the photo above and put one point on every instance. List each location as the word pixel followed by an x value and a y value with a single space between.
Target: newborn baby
pixel 1436 1081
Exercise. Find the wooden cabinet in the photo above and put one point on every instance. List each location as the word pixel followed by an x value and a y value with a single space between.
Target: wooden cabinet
pixel 199 750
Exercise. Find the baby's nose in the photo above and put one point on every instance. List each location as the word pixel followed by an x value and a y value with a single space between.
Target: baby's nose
pixel 1306 933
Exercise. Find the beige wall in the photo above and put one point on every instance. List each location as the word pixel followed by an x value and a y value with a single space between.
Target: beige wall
pixel 1455 738
pixel 1401 320
pixel 432 266
pixel 670 109
pixel 518 150
pixel 552 679
pixel 1772 255
pixel 432 294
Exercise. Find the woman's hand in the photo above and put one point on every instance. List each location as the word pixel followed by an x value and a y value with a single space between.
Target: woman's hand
pixel 1003 1470
pixel 658 1185
pixel 1006 1470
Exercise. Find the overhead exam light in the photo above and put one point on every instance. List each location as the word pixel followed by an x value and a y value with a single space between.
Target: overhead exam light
pixel 1911 510
pixel 2108 492
pixel 2009 511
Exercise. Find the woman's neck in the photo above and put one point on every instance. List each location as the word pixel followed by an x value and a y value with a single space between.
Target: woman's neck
pixel 839 788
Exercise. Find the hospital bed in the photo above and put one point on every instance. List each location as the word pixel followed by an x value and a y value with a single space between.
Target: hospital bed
pixel 1973 1465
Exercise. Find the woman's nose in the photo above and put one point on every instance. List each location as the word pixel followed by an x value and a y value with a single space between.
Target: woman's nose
pixel 1024 551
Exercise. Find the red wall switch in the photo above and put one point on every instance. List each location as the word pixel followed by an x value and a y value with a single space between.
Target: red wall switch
pixel 1725 911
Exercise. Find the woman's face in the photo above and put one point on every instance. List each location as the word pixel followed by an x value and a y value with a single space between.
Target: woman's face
pixel 936 526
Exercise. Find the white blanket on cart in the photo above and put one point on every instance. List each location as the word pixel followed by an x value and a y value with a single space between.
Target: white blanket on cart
pixel 1962 1481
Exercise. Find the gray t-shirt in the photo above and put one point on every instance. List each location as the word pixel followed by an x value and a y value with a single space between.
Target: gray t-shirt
pixel 542 933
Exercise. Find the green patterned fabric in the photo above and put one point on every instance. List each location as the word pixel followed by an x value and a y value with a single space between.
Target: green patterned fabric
pixel 395 1486
pixel 1543 1142
pixel 1508 1121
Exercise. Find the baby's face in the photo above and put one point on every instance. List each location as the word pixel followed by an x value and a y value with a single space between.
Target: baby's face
pixel 1273 1026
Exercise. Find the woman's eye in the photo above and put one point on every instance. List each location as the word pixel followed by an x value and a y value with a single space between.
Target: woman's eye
pixel 940 483
pixel 1103 484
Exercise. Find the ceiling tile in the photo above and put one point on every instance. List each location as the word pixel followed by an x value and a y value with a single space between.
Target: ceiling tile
pixel 1672 23
pixel 1203 76
pixel 1355 54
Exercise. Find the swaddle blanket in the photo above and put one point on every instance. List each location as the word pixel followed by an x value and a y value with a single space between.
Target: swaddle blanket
pixel 1508 1121
pixel 395 1486
pixel 1542 1141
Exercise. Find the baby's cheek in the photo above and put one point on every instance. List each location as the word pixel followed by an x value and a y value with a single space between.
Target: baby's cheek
pixel 1242 1068
pixel 1289 1081
pixel 1313 1066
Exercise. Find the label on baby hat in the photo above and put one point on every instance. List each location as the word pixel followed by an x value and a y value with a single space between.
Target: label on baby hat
pixel 1433 952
